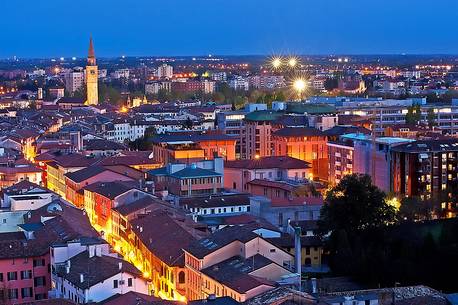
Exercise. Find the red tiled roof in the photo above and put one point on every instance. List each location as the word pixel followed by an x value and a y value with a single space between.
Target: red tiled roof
pixel 112 189
pixel 130 160
pixel 274 184
pixel 75 160
pixel 283 162
pixel 20 169
pixel 135 298
pixel 166 238
pixel 298 132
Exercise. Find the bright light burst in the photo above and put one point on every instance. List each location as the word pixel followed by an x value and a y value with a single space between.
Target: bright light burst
pixel 299 85
pixel 292 62
pixel 276 62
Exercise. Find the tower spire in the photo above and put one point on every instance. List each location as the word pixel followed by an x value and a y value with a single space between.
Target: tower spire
pixel 91 53
pixel 91 76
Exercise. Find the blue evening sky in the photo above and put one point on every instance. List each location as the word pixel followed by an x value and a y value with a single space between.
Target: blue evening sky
pixel 54 28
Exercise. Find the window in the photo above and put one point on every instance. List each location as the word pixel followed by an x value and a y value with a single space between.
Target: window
pixel 272 250
pixel 1 277
pixel 27 292
pixel 12 276
pixel 13 294
pixel 181 277
pixel 26 274
pixel 38 262
pixel 115 283
pixel 129 282
pixel 39 281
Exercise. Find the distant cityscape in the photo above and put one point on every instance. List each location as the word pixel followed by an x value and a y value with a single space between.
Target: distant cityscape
pixel 282 179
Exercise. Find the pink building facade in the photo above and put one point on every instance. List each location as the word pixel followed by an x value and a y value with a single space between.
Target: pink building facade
pixel 24 279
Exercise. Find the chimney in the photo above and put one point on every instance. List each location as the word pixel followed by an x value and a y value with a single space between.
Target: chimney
pixel 91 252
pixel 81 278
pixel 297 253
pixel 120 266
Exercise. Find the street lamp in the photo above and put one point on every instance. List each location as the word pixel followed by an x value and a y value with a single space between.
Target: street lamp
pixel 292 62
pixel 276 62
pixel 299 85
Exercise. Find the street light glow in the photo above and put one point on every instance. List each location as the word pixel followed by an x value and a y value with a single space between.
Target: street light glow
pixel 276 62
pixel 299 85
pixel 292 62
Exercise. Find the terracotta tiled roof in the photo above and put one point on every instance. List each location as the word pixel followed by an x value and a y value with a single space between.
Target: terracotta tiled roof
pixel 219 239
pixel 101 144
pixel 273 184
pixel 75 160
pixel 65 223
pixel 86 173
pixel 112 189
pixel 166 238
pixel 235 273
pixel 298 132
pixel 135 298
pixel 283 162
pixel 147 203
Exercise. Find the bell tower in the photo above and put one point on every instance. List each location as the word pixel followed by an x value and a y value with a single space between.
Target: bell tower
pixel 91 77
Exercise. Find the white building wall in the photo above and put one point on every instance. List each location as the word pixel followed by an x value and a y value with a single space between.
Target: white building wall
pixel 29 204
pixel 105 289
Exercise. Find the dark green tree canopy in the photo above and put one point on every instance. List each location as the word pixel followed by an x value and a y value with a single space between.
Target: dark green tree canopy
pixel 354 205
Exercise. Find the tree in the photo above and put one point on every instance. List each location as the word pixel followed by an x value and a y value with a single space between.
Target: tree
pixel 150 132
pixel 218 97
pixel 280 96
pixel 256 96
pixel 431 118
pixel 240 102
pixel 80 92
pixel 412 208
pixel 353 205
pixel 163 95
pixel 308 190
pixel 413 115
pixel 187 124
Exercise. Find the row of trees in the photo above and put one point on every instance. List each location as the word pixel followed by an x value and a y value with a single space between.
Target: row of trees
pixel 225 95
pixel 414 116
pixel 376 244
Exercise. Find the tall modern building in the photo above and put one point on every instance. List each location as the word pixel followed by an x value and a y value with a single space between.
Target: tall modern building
pixel 91 77
pixel 165 71
pixel 74 79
